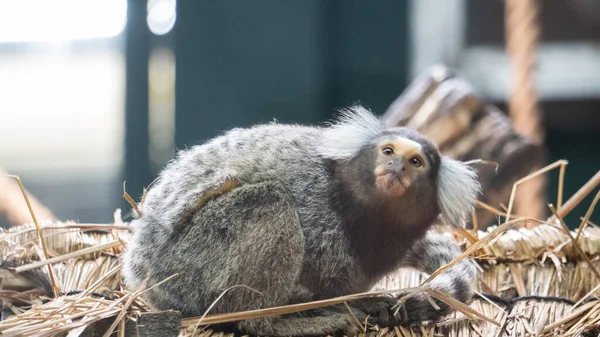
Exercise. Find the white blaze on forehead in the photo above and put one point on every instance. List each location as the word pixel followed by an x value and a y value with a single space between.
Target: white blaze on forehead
pixel 404 146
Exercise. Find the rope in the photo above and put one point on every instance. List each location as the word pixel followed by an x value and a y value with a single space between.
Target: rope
pixel 522 31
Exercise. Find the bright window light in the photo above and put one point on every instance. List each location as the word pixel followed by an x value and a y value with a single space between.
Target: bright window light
pixel 161 16
pixel 61 20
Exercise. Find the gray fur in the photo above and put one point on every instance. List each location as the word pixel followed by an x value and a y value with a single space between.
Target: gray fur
pixel 304 223
pixel 430 253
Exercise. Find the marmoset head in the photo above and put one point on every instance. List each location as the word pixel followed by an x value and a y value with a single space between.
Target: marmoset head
pixel 398 163
pixel 403 161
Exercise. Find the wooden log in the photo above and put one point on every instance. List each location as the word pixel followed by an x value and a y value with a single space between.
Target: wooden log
pixel 447 109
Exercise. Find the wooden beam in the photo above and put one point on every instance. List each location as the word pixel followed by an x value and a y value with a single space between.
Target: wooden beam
pixel 446 109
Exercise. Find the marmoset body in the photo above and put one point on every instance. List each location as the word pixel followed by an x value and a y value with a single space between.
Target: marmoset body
pixel 280 214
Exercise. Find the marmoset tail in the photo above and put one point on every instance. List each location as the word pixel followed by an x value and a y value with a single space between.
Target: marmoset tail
pixel 278 214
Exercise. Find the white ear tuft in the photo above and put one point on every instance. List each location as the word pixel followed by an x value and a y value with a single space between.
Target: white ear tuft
pixel 354 128
pixel 458 190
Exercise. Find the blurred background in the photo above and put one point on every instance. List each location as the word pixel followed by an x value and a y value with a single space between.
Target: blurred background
pixel 97 92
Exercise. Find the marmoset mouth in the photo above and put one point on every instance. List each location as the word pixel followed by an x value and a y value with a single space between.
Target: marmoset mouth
pixel 391 183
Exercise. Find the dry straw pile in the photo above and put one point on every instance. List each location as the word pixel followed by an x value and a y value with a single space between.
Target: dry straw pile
pixel 534 280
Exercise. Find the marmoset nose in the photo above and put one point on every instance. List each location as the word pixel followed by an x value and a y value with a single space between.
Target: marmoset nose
pixel 397 165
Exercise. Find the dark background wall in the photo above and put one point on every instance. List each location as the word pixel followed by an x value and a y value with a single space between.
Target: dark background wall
pixel 239 63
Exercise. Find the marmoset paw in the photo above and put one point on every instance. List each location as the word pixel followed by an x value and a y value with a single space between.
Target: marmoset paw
pixel 388 315
pixel 418 308
pixel 379 310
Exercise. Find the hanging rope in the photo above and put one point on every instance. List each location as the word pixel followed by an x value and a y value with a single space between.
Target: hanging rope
pixel 522 31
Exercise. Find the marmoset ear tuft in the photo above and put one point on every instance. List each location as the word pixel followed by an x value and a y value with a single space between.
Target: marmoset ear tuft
pixel 354 128
pixel 458 190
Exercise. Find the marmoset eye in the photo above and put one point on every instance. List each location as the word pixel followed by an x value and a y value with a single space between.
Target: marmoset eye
pixel 387 151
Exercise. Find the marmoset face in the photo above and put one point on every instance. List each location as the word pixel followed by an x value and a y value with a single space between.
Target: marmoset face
pixel 400 162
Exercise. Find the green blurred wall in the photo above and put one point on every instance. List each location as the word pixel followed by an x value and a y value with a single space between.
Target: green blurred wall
pixel 244 62
pixel 582 149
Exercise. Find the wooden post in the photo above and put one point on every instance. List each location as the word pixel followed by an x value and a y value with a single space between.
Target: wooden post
pixel 522 34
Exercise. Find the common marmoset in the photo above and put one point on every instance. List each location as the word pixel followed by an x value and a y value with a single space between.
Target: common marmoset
pixel 298 213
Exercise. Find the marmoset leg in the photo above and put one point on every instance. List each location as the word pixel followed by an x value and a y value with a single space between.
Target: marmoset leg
pixel 316 323
pixel 269 253
pixel 250 237
pixel 427 255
